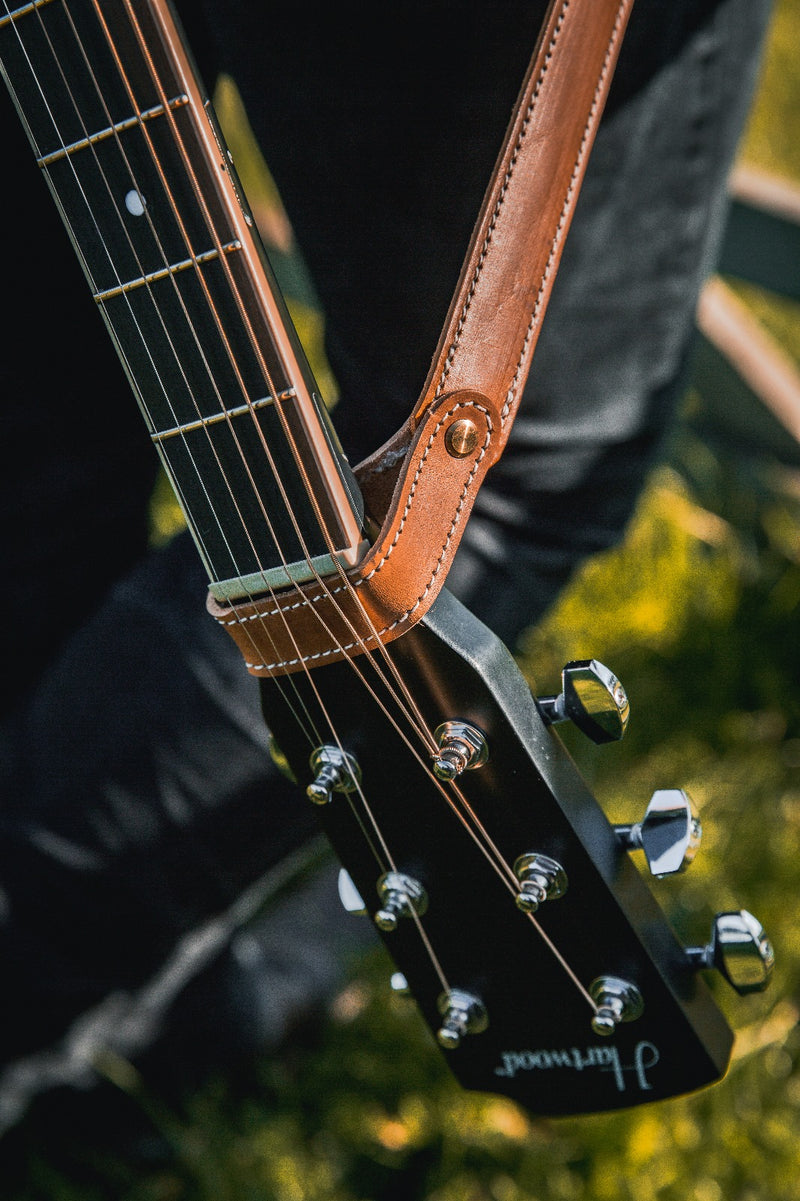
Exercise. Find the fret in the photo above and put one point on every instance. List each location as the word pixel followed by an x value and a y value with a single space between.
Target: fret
pixel 146 190
pixel 24 11
pixel 236 501
pixel 66 79
pixel 196 260
pixel 149 114
pixel 133 209
pixel 204 422
pixel 190 359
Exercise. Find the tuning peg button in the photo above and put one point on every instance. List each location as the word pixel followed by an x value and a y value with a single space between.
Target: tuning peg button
pixel 592 698
pixel 349 895
pixel 739 949
pixel 669 833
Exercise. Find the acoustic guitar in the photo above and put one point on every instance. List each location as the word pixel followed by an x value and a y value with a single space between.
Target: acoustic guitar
pixel 519 918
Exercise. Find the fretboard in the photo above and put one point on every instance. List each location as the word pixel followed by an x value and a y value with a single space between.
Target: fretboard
pixel 146 188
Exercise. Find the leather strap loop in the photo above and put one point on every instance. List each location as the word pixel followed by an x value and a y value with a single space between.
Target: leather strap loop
pixel 395 585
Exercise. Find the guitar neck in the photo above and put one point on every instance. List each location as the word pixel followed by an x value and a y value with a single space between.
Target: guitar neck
pixel 132 154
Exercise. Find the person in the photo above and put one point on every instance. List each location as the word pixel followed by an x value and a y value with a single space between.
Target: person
pixel 144 827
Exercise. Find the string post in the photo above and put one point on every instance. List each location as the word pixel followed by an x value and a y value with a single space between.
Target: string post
pixel 462 1013
pixel 541 879
pixel 334 771
pixel 617 1001
pixel 401 896
pixel 462 747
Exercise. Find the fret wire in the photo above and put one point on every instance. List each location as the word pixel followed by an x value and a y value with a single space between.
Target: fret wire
pixel 312 735
pixel 359 673
pixel 170 119
pixel 238 411
pixel 111 131
pixel 24 11
pixel 205 256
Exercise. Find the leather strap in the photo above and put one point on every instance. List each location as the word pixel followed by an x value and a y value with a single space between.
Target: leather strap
pixel 421 485
pixel 396 583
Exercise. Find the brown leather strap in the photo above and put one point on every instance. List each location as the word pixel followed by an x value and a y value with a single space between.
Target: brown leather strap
pixel 496 314
pixel 421 485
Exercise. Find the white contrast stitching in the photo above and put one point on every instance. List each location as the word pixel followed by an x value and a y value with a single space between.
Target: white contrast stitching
pixel 500 200
pixel 310 600
pixel 567 201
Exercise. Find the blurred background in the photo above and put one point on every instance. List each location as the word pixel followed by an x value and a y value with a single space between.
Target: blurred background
pixel 698 613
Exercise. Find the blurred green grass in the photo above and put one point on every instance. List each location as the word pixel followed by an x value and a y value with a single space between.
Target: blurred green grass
pixel 698 613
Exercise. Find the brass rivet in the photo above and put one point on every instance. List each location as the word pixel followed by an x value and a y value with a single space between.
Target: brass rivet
pixel 461 438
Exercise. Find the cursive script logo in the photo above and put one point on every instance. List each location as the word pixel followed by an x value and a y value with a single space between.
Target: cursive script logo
pixel 602 1058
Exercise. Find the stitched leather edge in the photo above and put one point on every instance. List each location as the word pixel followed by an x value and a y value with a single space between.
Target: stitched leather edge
pixel 396 583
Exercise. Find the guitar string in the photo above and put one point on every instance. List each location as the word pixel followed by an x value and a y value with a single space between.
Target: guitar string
pixel 310 492
pixel 275 390
pixel 363 799
pixel 358 817
pixel 13 21
pixel 489 846
pixel 473 814
pixel 89 209
pixel 111 195
pixel 367 808
pixel 227 349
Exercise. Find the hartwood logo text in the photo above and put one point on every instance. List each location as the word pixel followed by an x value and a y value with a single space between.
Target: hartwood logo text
pixel 601 1058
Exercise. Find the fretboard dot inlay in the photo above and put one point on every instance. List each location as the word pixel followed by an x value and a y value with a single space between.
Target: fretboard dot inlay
pixel 134 203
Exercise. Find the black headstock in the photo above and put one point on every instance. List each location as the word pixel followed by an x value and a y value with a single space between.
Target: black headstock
pixel 527 935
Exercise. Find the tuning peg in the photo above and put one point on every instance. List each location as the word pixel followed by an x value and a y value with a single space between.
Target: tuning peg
pixel 462 1014
pixel 401 896
pixel 541 879
pixel 592 698
pixel 334 771
pixel 399 985
pixel 669 833
pixel 349 895
pixel 739 950
pixel 461 747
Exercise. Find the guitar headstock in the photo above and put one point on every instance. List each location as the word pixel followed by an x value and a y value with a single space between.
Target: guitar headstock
pixel 513 909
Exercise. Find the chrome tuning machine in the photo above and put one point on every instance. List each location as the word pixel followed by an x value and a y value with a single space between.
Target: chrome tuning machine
pixel 334 771
pixel 739 950
pixel 401 896
pixel 592 698
pixel 462 747
pixel 462 1013
pixel 540 879
pixel 669 833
